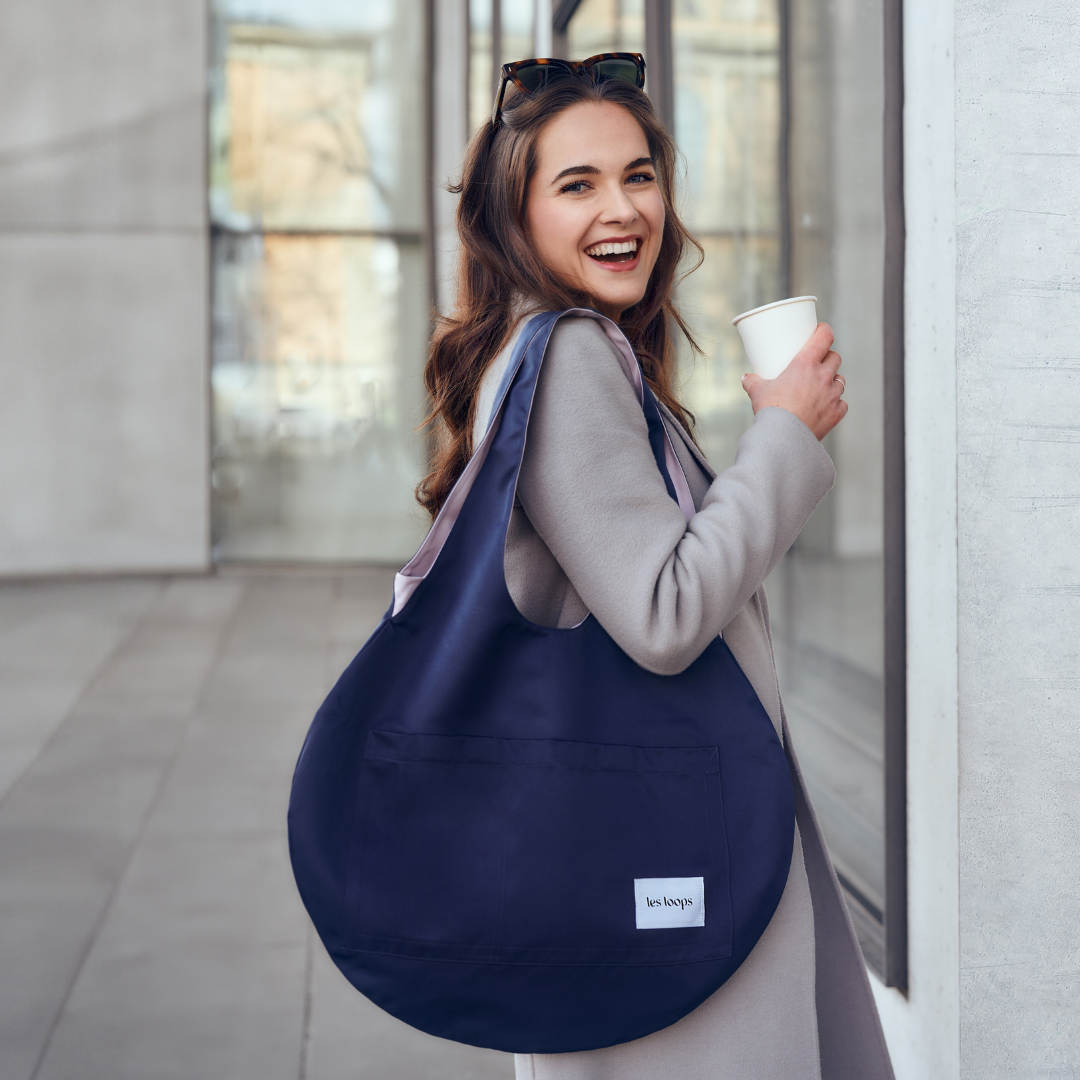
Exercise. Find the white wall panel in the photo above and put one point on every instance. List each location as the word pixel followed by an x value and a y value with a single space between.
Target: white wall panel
pixel 103 449
pixel 103 284
pixel 923 1027
pixel 1018 427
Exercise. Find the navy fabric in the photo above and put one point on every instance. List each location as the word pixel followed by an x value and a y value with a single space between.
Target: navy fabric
pixel 478 794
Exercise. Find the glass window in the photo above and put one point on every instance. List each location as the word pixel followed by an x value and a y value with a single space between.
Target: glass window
pixel 319 294
pixel 606 26
pixel 743 185
pixel 727 123
pixel 481 62
pixel 517 30
pixel 828 594
pixel 502 28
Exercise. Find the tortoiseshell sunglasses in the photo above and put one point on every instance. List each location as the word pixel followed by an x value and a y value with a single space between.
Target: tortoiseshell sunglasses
pixel 532 75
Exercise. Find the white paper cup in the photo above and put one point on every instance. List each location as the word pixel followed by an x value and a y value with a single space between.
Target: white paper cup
pixel 773 334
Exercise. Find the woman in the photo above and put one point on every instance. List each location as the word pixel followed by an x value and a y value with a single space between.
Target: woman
pixel 566 201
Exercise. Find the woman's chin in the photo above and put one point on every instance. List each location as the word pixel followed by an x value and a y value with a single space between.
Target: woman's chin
pixel 616 292
pixel 608 302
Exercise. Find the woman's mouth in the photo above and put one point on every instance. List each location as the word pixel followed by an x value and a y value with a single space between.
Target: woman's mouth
pixel 615 254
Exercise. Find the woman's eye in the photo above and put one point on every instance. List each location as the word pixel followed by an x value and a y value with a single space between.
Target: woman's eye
pixel 574 187
pixel 640 178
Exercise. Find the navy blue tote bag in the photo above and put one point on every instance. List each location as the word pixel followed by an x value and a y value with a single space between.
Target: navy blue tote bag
pixel 514 836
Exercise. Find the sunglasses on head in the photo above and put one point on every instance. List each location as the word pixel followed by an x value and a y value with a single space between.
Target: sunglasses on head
pixel 532 75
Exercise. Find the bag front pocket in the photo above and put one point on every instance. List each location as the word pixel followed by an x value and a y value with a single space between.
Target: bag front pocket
pixel 538 851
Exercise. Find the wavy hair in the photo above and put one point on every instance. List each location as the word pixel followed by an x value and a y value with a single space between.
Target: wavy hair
pixel 497 267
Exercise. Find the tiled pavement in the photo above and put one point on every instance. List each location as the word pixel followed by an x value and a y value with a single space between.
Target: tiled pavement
pixel 149 925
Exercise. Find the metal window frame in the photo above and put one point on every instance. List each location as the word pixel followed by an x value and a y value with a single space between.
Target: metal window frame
pixel 430 46
pixel 560 22
pixel 660 75
pixel 496 45
pixel 895 510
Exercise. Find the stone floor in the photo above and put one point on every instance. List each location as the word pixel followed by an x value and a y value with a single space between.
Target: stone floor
pixel 149 925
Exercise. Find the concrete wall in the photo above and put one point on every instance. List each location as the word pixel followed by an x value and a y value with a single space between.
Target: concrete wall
pixel 993 432
pixel 103 286
pixel 1018 480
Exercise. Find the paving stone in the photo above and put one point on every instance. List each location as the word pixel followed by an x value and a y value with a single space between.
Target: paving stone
pixel 66 832
pixel 258 670
pixel 32 707
pixel 26 602
pixel 232 890
pixel 70 824
pixel 211 1010
pixel 53 639
pixel 198 970
pixel 166 663
pixel 50 896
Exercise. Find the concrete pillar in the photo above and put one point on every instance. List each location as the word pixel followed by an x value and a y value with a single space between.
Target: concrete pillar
pixel 1018 491
pixel 993 452
pixel 103 283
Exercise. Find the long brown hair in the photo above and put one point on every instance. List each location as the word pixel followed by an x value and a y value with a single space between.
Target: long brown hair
pixel 497 267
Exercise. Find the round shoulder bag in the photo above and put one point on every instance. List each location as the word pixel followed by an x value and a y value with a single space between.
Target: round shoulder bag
pixel 514 836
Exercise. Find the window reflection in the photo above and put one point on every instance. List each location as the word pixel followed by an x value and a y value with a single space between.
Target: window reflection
pixel 606 26
pixel 827 594
pixel 318 306
pixel 481 62
pixel 502 27
pixel 517 30
pixel 727 123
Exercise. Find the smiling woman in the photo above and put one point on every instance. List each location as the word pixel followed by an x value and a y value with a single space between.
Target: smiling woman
pixel 587 614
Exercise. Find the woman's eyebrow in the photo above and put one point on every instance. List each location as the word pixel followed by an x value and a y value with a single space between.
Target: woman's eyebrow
pixel 574 169
pixel 592 169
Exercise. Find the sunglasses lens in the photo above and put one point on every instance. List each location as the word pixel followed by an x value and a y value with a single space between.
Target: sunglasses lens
pixel 617 68
pixel 535 76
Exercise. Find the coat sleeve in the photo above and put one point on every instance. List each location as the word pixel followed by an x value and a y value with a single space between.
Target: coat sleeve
pixel 662 588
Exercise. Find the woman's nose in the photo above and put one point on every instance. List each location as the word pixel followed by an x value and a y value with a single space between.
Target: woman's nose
pixel 618 208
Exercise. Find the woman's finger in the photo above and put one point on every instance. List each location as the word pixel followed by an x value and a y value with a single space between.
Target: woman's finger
pixel 819 344
pixel 831 362
pixel 752 384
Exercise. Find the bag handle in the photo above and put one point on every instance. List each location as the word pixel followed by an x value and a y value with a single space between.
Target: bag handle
pixel 633 370
pixel 418 567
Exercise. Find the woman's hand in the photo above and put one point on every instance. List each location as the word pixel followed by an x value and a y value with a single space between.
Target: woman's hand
pixel 809 386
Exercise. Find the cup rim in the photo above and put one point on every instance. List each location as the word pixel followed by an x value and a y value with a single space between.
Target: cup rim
pixel 765 307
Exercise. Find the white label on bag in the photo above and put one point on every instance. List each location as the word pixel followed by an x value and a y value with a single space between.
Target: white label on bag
pixel 665 902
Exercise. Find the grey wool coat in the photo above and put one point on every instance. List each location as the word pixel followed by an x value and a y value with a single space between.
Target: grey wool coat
pixel 594 530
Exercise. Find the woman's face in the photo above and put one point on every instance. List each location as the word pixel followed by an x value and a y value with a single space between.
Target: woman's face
pixel 595 213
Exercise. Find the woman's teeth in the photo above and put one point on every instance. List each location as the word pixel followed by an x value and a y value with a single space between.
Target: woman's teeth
pixel 620 252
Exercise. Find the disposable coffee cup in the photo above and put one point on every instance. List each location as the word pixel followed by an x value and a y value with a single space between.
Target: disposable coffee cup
pixel 773 334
